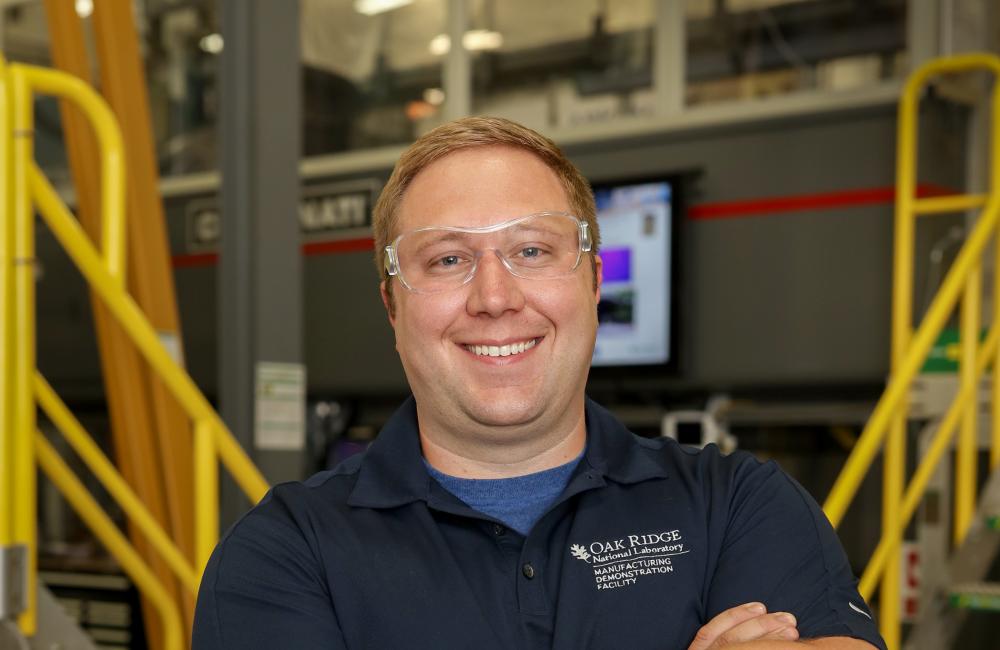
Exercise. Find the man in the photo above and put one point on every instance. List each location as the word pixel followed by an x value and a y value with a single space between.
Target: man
pixel 499 508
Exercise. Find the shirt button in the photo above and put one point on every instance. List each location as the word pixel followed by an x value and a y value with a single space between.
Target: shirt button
pixel 499 530
pixel 528 570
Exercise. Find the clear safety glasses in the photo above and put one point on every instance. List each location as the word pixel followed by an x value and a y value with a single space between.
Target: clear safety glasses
pixel 440 258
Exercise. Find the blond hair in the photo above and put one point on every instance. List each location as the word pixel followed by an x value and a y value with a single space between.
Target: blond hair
pixel 476 132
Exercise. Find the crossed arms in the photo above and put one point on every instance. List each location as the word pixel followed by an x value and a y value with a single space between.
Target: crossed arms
pixel 751 627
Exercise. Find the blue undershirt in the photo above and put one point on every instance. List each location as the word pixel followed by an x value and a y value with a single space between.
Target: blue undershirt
pixel 518 501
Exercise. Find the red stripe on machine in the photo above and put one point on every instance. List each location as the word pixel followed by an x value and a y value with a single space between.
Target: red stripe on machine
pixel 358 245
pixel 721 210
pixel 804 202
pixel 339 246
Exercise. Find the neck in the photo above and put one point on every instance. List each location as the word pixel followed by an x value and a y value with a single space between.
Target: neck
pixel 503 456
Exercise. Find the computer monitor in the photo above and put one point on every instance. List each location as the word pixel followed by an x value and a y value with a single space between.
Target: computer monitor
pixel 638 231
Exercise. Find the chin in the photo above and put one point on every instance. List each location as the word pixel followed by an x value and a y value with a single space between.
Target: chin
pixel 505 412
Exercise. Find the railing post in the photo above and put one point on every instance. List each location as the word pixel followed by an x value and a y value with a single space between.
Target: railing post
pixel 965 452
pixel 994 188
pixel 23 466
pixel 894 455
pixel 206 493
pixel 6 312
pixel 22 189
pixel 12 553
pixel 893 480
pixel 108 534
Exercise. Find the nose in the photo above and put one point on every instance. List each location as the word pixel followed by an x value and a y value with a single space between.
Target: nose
pixel 493 290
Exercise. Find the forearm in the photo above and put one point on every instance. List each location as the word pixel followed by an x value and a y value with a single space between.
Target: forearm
pixel 827 643
pixel 768 644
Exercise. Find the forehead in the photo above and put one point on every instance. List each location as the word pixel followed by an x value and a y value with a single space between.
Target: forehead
pixel 480 186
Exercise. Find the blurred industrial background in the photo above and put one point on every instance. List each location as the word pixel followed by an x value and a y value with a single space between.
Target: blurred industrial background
pixel 774 121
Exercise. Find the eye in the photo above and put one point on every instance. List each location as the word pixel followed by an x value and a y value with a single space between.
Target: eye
pixel 445 263
pixel 532 254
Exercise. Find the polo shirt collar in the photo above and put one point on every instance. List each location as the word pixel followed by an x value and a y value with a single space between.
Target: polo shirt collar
pixel 392 472
pixel 617 453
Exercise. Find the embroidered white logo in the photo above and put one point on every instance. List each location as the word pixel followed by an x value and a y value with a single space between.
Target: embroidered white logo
pixel 859 610
pixel 621 562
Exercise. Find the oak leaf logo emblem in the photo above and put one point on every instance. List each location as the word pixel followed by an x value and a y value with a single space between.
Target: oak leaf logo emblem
pixel 579 552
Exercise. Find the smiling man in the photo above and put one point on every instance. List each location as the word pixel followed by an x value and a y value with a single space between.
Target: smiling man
pixel 499 508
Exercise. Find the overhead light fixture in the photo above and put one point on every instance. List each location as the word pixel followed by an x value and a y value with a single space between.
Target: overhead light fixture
pixel 84 8
pixel 474 40
pixel 434 96
pixel 479 40
pixel 373 7
pixel 440 44
pixel 212 43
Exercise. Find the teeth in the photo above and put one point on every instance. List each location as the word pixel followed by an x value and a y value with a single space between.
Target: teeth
pixel 501 350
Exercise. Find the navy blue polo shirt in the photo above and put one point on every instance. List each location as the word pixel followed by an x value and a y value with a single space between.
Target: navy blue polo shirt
pixel 648 541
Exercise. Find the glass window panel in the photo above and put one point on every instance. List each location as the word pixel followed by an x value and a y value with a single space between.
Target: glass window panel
pixel 183 49
pixel 747 49
pixel 551 67
pixel 366 76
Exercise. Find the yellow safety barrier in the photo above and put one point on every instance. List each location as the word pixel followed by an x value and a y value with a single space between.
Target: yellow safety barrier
pixel 910 349
pixel 109 535
pixel 22 467
pixel 6 307
pixel 940 443
pixel 49 82
pixel 24 189
pixel 206 472
pixel 72 238
pixel 104 470
pixel 945 204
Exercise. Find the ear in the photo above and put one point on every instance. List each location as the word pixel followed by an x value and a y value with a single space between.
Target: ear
pixel 598 277
pixel 387 302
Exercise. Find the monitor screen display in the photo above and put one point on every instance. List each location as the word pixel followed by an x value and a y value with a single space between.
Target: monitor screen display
pixel 634 319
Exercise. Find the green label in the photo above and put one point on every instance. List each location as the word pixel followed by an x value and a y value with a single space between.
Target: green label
pixel 946 351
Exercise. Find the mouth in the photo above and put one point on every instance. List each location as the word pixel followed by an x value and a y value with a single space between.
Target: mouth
pixel 505 350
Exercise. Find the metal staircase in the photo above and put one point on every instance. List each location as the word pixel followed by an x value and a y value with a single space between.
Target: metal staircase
pixel 56 629
pixel 975 542
pixel 949 595
pixel 24 190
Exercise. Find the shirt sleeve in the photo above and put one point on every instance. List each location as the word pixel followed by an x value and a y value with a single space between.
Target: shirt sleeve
pixel 263 588
pixel 779 548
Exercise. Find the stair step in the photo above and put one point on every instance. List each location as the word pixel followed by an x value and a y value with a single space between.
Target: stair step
pixel 978 596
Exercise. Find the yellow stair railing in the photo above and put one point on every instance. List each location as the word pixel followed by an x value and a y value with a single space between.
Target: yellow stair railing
pixel 910 350
pixel 24 189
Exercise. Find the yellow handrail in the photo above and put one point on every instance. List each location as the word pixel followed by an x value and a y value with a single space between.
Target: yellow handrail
pixel 945 204
pixel 109 535
pixel 909 351
pixel 112 156
pixel 872 435
pixel 22 467
pixel 113 482
pixel 72 238
pixel 940 443
pixel 965 452
pixel 206 471
pixel 26 188
pixel 6 307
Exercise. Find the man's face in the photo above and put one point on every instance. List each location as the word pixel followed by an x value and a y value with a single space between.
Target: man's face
pixel 436 333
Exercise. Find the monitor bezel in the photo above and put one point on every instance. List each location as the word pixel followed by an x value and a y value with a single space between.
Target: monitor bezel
pixel 676 181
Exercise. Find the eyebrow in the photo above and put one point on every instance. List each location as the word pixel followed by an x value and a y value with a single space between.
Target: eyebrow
pixel 544 231
pixel 447 236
